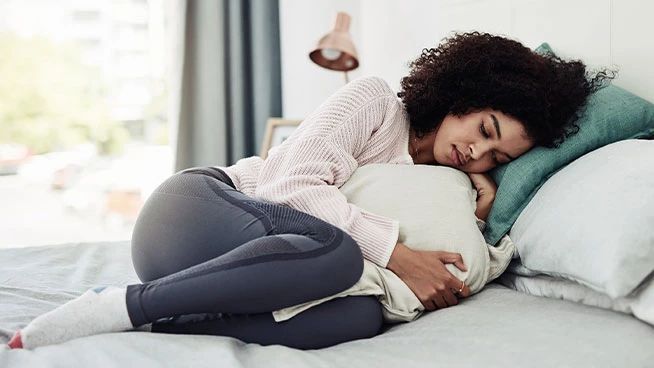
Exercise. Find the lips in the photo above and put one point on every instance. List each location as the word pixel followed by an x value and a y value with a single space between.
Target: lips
pixel 457 158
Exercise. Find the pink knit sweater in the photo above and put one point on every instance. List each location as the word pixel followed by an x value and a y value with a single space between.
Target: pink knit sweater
pixel 362 123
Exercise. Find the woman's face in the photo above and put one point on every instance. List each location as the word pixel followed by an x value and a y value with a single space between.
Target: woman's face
pixel 477 142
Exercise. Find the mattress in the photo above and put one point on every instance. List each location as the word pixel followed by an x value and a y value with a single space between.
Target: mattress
pixel 497 327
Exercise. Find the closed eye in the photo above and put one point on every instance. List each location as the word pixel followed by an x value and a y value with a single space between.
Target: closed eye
pixel 483 130
pixel 485 134
pixel 495 160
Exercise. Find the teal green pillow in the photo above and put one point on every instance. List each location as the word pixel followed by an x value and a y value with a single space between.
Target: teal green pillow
pixel 612 114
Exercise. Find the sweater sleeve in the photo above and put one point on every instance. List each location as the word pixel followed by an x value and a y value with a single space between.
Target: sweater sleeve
pixel 306 171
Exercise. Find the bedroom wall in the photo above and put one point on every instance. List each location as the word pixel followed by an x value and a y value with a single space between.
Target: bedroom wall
pixel 390 33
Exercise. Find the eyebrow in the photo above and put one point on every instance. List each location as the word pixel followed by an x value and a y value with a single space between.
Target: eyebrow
pixel 499 134
pixel 497 126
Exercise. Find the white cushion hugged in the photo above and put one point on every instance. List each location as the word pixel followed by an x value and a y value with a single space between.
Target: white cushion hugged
pixel 435 206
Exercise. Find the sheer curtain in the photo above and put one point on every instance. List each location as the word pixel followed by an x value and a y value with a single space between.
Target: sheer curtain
pixel 225 78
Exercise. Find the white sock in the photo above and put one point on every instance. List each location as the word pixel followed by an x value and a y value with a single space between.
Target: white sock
pixel 100 310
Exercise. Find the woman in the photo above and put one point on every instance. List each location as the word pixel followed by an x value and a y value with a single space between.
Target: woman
pixel 219 249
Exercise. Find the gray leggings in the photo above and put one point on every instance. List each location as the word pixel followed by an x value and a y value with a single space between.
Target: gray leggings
pixel 215 261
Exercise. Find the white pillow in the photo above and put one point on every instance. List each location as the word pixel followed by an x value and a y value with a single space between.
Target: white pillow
pixel 593 221
pixel 640 303
pixel 435 206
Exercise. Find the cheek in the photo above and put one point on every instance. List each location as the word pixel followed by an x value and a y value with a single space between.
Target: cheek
pixel 524 146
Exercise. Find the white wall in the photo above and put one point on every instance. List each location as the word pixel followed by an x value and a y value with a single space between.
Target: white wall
pixel 302 23
pixel 390 33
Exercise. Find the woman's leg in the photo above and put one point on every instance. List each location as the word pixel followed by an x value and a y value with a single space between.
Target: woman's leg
pixel 225 252
pixel 194 220
pixel 330 323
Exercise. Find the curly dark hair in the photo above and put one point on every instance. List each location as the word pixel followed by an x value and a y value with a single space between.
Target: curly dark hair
pixel 473 71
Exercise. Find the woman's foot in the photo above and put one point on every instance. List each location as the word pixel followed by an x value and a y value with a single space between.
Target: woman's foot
pixel 16 342
pixel 100 310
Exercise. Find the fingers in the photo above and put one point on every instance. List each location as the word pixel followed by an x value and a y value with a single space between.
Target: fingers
pixel 441 300
pixel 450 298
pixel 459 288
pixel 429 304
pixel 466 291
pixel 460 265
pixel 454 258
pixel 446 298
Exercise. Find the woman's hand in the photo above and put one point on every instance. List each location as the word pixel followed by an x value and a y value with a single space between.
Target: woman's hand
pixel 486 190
pixel 425 274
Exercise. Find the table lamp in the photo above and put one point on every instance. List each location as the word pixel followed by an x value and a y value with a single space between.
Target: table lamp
pixel 336 50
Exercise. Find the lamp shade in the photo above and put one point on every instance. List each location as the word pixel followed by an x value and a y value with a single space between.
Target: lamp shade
pixel 336 50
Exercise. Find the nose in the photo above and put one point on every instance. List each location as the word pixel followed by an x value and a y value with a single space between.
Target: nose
pixel 477 151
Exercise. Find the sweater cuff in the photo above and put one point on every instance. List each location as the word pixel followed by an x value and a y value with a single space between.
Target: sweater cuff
pixel 376 236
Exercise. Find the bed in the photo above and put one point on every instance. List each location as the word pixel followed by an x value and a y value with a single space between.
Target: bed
pixel 498 327
pixel 531 316
pixel 579 291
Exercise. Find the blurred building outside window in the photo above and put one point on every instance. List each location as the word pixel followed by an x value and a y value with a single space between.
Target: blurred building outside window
pixel 83 117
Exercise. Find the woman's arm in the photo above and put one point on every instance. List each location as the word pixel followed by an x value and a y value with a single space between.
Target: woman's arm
pixel 361 123
pixel 486 190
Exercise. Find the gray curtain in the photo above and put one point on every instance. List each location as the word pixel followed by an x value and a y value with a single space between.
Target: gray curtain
pixel 226 79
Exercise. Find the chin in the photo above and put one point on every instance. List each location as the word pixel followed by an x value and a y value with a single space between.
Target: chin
pixel 440 163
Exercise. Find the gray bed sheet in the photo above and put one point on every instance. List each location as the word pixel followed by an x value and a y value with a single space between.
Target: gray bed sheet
pixel 498 327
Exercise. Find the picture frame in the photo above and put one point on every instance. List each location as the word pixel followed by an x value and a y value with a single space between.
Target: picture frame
pixel 277 130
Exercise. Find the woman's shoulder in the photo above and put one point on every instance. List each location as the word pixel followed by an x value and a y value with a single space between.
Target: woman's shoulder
pixel 372 82
pixel 366 90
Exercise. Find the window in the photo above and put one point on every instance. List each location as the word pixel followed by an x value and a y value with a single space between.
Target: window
pixel 83 118
pixel 78 15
